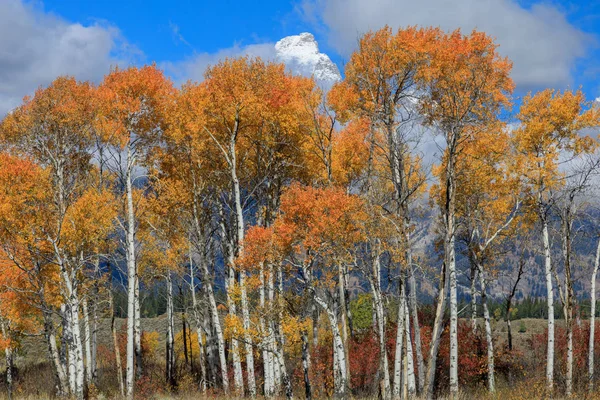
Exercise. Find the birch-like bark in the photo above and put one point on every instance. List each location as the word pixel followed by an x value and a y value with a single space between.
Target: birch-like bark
pixel 170 339
pixel 449 213
pixel 131 279
pixel 375 281
pixel 207 283
pixel 8 353
pixel 138 331
pixel 400 328
pixel 344 315
pixel 473 299
pixel 593 320
pixel 417 328
pixel 53 353
pixel 87 342
pixel 550 306
pixel 115 338
pixel 76 347
pixel 306 366
pixel 240 248
pixel 198 321
pixel 491 381
pixel 435 336
pixel 338 349
pixel 267 355
pixel 410 366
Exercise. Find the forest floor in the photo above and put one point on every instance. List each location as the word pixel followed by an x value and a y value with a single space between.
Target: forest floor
pixel 35 374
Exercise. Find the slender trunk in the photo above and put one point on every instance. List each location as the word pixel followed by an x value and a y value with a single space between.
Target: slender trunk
pixel 488 332
pixel 400 328
pixel 76 347
pixel 170 342
pixel 94 341
pixel 435 336
pixel 450 259
pixel 59 371
pixel 238 249
pixel 410 366
pixel 473 299
pixel 306 365
pixel 375 282
pixel 238 379
pixel 338 350
pixel 344 314
pixel 568 296
pixel 287 383
pixel 417 328
pixel 87 342
pixel 267 354
pixel 247 337
pixel 198 321
pixel 593 320
pixel 66 356
pixel 115 338
pixel 8 353
pixel 131 279
pixel 138 331
pixel 184 334
pixel 569 377
pixel 315 326
pixel 207 283
pixel 272 327
pixel 550 305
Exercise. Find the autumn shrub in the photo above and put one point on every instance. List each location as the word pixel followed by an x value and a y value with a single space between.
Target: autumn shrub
pixel 538 348
pixel 364 362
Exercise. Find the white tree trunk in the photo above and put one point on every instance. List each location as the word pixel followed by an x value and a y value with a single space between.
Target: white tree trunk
pixel 267 355
pixel 375 282
pixel 207 283
pixel 550 304
pixel 240 248
pixel 473 300
pixel 170 340
pixel 198 321
pixel 417 328
pixel 338 349
pixel 131 279
pixel 116 348
pixel 61 374
pixel 238 379
pixel 410 366
pixel 76 347
pixel 397 390
pixel 593 320
pixel 491 381
pixel 435 336
pixel 453 318
pixel 87 342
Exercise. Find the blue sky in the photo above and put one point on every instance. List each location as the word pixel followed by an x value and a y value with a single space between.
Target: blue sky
pixel 553 44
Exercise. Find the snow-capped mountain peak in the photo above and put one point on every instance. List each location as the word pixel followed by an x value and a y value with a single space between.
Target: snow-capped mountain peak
pixel 300 53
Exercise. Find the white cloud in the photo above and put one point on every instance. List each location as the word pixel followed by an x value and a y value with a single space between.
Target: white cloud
pixel 194 67
pixel 540 41
pixel 36 47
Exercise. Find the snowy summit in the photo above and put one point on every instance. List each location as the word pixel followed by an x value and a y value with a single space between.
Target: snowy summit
pixel 301 55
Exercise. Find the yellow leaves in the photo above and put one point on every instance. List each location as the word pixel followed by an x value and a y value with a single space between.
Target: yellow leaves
pixel 292 327
pixel 89 220
pixel 466 80
pixel 553 124
pixel 132 101
pixel 233 326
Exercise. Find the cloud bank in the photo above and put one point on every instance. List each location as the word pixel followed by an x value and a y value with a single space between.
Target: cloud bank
pixel 540 41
